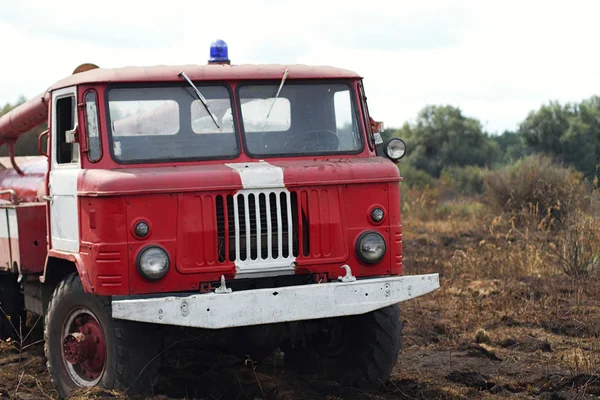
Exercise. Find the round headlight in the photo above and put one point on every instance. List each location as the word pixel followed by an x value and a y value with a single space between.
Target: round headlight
pixel 141 229
pixel 394 149
pixel 370 247
pixel 153 263
pixel 377 215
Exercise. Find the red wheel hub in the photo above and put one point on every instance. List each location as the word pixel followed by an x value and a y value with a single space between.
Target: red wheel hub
pixel 84 347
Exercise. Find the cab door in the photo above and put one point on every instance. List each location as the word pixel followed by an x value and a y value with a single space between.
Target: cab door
pixel 64 170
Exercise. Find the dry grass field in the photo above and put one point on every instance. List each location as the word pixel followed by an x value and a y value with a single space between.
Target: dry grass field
pixel 512 320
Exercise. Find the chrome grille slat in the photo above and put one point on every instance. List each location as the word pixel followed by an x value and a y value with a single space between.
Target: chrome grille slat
pixel 290 224
pixel 269 226
pixel 258 228
pixel 248 252
pixel 279 227
pixel 236 216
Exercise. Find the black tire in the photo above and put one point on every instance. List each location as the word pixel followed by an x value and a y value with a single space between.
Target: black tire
pixel 258 342
pixel 363 356
pixel 132 352
pixel 12 315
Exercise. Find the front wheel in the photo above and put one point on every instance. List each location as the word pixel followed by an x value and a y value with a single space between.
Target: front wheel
pixel 360 350
pixel 86 347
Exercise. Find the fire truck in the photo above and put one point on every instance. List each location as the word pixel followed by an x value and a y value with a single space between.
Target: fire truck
pixel 253 199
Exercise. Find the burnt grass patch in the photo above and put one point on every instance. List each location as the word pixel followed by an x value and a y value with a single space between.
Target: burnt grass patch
pixel 491 331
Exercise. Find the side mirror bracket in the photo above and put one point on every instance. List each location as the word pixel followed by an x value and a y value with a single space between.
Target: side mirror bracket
pixel 40 147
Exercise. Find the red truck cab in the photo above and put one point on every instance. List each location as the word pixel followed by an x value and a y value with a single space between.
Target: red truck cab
pixel 211 196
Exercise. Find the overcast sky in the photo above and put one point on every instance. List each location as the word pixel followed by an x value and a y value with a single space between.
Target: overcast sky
pixel 496 60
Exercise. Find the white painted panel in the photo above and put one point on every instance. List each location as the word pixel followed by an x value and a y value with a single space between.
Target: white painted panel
pixel 259 175
pixel 64 210
pixel 4 224
pixel 264 306
pixel 13 226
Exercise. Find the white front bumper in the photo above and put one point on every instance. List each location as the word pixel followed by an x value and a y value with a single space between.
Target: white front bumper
pixel 284 304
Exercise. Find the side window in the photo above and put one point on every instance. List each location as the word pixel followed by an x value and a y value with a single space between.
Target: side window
pixel 343 110
pixel 93 133
pixel 365 114
pixel 66 153
pixel 345 124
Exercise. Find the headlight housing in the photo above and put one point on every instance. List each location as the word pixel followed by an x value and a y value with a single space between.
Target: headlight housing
pixel 370 247
pixel 394 149
pixel 141 229
pixel 153 263
pixel 377 215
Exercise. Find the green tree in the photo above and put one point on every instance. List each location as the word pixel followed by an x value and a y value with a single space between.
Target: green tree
pixel 570 132
pixel 512 147
pixel 442 136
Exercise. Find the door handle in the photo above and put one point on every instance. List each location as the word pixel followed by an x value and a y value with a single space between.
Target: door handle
pixel 48 198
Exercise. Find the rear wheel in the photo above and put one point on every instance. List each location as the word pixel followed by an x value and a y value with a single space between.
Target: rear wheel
pixel 360 350
pixel 12 312
pixel 86 347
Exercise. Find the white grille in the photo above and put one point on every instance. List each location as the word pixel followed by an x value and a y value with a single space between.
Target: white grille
pixel 263 231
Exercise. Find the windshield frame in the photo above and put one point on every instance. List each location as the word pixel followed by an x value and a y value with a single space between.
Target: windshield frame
pixel 353 98
pixel 184 86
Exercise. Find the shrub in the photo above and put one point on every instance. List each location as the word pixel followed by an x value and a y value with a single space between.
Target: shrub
pixel 419 204
pixel 463 180
pixel 413 177
pixel 577 247
pixel 540 186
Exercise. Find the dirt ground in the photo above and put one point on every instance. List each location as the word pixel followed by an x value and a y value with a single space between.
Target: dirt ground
pixel 491 332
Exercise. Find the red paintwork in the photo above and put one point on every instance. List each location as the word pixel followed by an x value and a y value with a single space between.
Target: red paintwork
pixel 24 117
pixel 85 347
pixel 25 251
pixel 216 177
pixel 162 73
pixel 30 252
pixel 159 179
pixel 177 199
pixel 31 183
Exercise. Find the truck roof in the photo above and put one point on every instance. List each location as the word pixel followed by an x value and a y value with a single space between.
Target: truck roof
pixel 165 73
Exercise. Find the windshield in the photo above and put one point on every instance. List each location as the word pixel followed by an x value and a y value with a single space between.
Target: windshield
pixel 170 123
pixel 303 119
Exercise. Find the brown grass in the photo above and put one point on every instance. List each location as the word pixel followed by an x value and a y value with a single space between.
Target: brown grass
pixel 510 320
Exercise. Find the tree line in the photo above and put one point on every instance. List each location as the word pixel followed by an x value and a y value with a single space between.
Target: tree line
pixel 442 138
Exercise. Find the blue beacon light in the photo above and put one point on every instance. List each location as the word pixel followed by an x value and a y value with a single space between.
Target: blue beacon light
pixel 219 53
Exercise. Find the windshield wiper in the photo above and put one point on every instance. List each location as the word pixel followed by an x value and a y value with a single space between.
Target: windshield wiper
pixel 285 74
pixel 200 97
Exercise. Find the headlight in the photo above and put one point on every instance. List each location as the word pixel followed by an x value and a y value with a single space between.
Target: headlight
pixel 377 215
pixel 394 149
pixel 370 247
pixel 153 263
pixel 141 229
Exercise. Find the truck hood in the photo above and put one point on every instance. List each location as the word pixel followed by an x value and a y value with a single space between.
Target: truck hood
pixel 236 176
